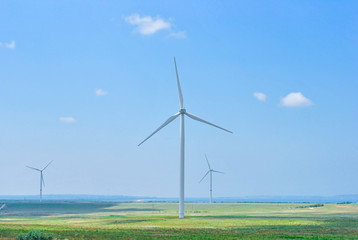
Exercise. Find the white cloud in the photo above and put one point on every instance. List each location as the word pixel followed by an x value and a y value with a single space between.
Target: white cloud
pixel 260 96
pixel 100 92
pixel 146 25
pixel 10 45
pixel 67 119
pixel 180 34
pixel 295 99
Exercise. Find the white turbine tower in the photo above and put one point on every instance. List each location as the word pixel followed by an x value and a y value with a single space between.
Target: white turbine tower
pixel 42 181
pixel 181 112
pixel 211 178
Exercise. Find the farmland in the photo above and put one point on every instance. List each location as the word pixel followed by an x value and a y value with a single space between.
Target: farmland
pixel 158 220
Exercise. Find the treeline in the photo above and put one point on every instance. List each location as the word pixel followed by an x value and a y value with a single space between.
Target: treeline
pixel 344 203
pixel 312 206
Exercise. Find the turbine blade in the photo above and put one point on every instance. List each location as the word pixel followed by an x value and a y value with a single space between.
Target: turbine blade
pixel 202 120
pixel 207 162
pixel 204 176
pixel 179 88
pixel 47 165
pixel 34 168
pixel 163 125
pixel 218 171
pixel 43 180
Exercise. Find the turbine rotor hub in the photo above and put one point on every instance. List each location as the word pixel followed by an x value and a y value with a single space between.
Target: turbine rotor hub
pixel 182 111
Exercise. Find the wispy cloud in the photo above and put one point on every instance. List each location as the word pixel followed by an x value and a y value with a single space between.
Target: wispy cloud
pixel 295 99
pixel 67 119
pixel 180 34
pixel 260 96
pixel 146 25
pixel 10 45
pixel 100 92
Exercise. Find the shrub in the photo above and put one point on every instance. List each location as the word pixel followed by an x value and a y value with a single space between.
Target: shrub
pixel 34 235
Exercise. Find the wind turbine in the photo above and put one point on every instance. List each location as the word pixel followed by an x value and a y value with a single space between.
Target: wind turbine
pixel 2 206
pixel 42 181
pixel 181 113
pixel 211 178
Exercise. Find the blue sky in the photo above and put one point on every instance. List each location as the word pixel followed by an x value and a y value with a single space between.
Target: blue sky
pixel 83 83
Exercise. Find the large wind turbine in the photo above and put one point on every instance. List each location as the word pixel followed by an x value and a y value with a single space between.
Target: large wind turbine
pixel 181 113
pixel 211 178
pixel 42 181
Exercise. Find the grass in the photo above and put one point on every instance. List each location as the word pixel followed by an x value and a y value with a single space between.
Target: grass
pixel 68 220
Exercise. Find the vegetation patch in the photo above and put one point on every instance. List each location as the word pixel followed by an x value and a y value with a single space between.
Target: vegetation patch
pixel 34 235
pixel 312 206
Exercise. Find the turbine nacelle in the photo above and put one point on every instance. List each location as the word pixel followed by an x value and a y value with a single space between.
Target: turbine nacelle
pixel 182 111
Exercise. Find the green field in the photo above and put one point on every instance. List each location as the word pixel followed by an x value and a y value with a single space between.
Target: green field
pixel 71 220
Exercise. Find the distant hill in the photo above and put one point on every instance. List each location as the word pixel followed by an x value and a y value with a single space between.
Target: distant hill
pixel 75 197
pixel 314 199
pixel 120 198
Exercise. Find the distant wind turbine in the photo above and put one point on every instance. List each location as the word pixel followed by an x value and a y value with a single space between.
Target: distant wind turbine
pixel 181 112
pixel 42 181
pixel 211 178
pixel 2 206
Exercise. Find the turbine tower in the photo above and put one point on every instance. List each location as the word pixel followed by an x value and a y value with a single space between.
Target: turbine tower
pixel 181 113
pixel 211 178
pixel 42 181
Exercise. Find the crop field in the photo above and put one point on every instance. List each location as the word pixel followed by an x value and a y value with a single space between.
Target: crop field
pixel 159 220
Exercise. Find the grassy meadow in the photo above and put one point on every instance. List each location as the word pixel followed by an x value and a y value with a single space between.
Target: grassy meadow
pixel 105 220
